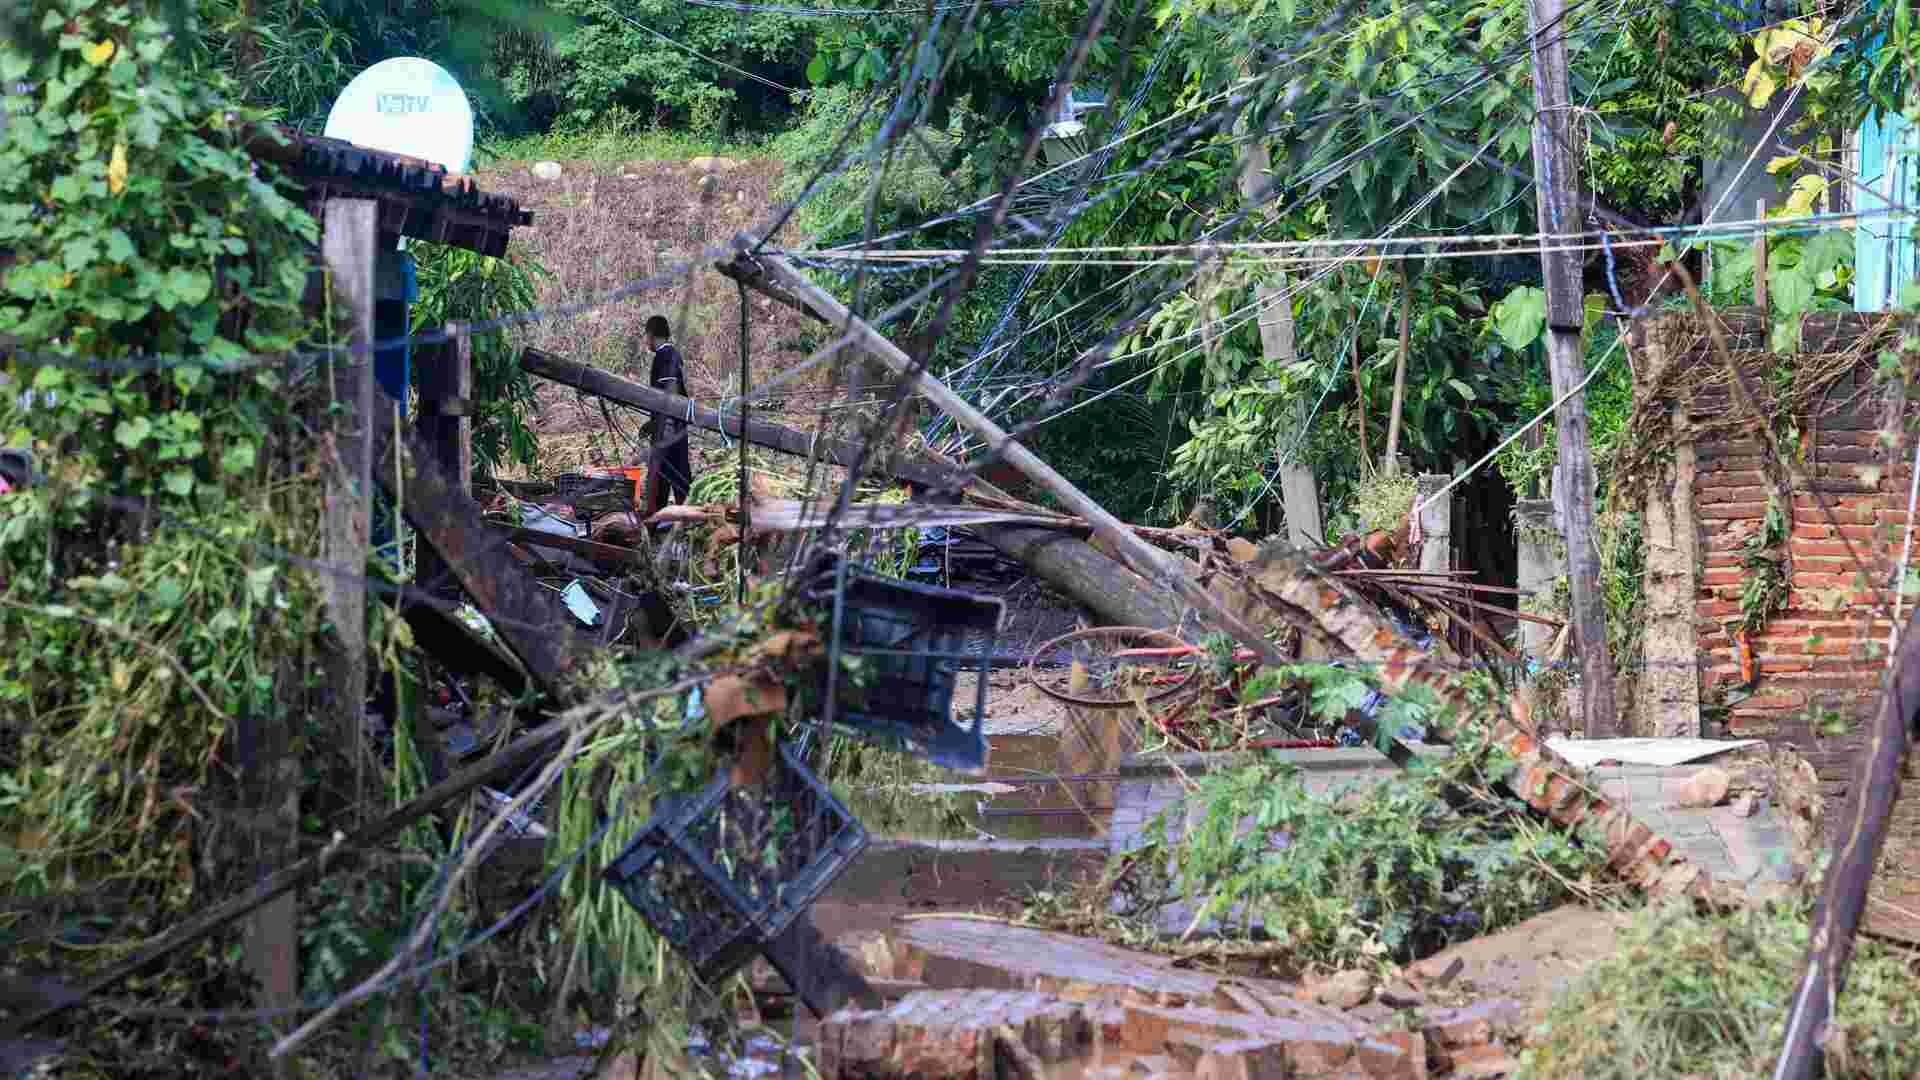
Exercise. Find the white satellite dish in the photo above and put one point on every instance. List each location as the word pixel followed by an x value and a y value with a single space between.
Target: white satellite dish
pixel 406 106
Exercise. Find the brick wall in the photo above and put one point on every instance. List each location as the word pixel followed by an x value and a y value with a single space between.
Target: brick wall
pixel 1818 678
pixel 1820 661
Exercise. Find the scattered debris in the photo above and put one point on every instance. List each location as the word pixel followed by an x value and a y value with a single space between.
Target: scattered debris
pixel 1708 787
pixel 1343 990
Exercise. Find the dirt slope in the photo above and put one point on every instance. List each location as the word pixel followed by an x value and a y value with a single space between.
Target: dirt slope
pixel 605 226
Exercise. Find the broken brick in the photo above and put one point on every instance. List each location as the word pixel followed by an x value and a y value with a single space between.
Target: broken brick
pixel 951 1033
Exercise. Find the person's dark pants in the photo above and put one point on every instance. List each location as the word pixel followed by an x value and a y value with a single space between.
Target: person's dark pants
pixel 674 469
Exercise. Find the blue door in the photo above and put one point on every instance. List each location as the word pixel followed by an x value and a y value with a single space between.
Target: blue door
pixel 1883 248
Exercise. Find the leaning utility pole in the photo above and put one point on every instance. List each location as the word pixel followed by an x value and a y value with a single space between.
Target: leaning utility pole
pixel 1556 179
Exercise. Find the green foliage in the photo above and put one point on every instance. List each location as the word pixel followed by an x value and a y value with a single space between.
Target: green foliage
pixel 1523 386
pixel 130 648
pixel 1386 873
pixel 1255 408
pixel 905 187
pixel 1651 125
pixel 1623 560
pixel 1804 273
pixel 1003 65
pixel 464 286
pixel 1380 501
pixel 619 136
pixel 292 58
pixel 602 57
pixel 1765 591
pixel 1684 994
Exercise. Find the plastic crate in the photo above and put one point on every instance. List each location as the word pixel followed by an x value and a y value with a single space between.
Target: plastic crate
pixel 912 641
pixel 720 873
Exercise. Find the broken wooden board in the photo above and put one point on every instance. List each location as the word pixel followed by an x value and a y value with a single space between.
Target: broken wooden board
pixel 528 618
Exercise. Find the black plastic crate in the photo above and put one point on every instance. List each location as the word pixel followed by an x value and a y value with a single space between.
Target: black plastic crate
pixel 720 873
pixel 911 641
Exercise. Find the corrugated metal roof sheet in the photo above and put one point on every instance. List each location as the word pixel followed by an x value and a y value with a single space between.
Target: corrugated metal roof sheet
pixel 417 198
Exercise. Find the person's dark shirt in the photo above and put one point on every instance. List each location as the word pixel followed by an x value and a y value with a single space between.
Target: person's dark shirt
pixel 668 376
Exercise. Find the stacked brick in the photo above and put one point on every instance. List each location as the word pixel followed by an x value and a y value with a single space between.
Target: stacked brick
pixel 1809 680
pixel 1811 674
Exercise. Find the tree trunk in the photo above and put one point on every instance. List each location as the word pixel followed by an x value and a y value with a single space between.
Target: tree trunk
pixel 1360 403
pixel 1116 595
pixel 1390 463
pixel 1299 494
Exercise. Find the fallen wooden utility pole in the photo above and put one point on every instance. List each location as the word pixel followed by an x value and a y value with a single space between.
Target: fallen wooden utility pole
pixel 1136 553
pixel 1556 171
pixel 1097 582
pixel 1857 839
pixel 759 432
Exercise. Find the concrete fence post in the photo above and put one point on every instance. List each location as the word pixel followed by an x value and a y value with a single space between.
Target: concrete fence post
pixel 1542 559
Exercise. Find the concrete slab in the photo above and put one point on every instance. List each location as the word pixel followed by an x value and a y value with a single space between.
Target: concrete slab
pixel 989 954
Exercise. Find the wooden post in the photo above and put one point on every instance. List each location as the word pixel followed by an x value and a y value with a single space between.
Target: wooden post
pixel 1760 255
pixel 347 245
pixel 348 248
pixel 445 425
pixel 1556 177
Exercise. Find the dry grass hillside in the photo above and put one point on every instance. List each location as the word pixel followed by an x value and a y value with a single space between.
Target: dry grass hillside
pixel 604 225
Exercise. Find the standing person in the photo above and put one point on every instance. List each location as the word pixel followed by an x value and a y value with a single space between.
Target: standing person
pixel 669 468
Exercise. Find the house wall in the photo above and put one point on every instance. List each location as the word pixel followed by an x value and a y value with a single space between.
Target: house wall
pixel 1818 664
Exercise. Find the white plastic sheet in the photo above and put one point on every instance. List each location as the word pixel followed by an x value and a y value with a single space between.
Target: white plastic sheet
pixel 1587 753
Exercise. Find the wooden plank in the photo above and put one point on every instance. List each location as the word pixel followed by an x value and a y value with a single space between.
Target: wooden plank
pixel 759 432
pixel 445 428
pixel 347 246
pixel 592 549
pixel 526 617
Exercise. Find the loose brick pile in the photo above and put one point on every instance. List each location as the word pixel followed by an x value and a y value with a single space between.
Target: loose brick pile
pixel 1240 1034
pixel 985 1000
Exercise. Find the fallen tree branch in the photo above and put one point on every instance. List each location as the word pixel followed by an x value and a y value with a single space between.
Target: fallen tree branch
pixel 344 851
pixel 423 931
